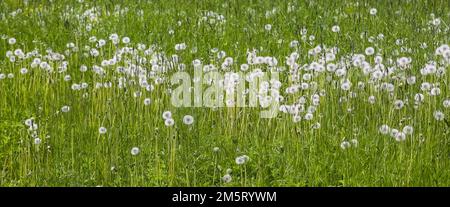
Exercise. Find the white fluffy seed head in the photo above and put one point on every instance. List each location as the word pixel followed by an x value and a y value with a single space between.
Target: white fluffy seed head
pixel 335 29
pixel 345 86
pixel 167 115
pixel 29 122
pixel 408 130
pixel 372 99
pixel 345 145
pixel 188 120
pixel 384 129
pixel 102 130
pixel 241 159
pixel 169 122
pixel 394 133
pixel 398 104
pixel 126 40
pixel 438 115
pixel 227 178
pixel 11 41
pixel 37 141
pixel 147 101
pixel 65 109
pixel 216 149
pixel 309 116
pixel 435 91
pixel 23 71
pixel 400 137
pixel 446 103
pixel 135 151
pixel 354 142
pixel 369 51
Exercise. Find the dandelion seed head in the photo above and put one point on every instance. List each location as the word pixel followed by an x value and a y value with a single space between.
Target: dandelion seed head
pixel 12 41
pixel 37 141
pixel 345 145
pixel 126 40
pixel 102 130
pixel 83 68
pixel 446 103
pixel 371 99
pixel 425 86
pixel 435 91
pixel 240 160
pixel 147 101
pixel 135 151
pixel 244 67
pixel 408 130
pixel 65 109
pixel 438 115
pixel 335 29
pixel 316 125
pixel 394 132
pixel 354 142
pixel 345 86
pixel 308 116
pixel 169 122
pixel 188 119
pixel 227 178
pixel 419 97
pixel 411 80
pixel 246 158
pixel 29 122
pixel 400 136
pixel 369 51
pixel 23 71
pixel 167 115
pixel 398 104
pixel 67 78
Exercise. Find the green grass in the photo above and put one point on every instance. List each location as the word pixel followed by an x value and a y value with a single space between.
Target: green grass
pixel 281 152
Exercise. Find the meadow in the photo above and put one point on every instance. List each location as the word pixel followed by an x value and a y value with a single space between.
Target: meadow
pixel 362 93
